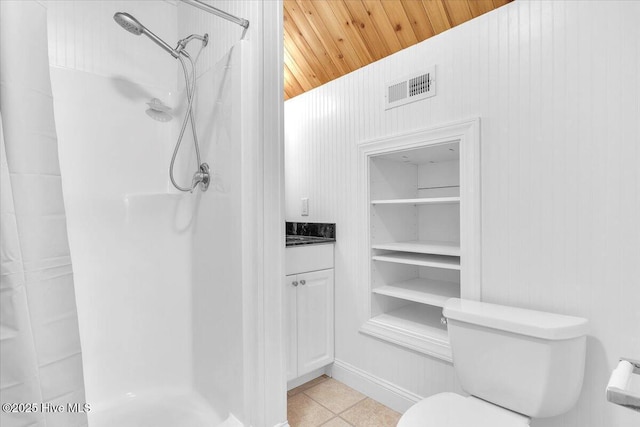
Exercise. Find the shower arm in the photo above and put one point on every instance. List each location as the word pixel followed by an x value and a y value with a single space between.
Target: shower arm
pixel 182 44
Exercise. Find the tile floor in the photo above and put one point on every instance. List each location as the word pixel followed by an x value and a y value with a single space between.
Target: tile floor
pixel 329 403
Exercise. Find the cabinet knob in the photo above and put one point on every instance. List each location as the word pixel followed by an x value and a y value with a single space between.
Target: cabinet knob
pixel 303 282
pixel 294 283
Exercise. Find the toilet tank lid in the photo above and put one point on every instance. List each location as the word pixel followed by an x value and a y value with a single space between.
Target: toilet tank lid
pixel 532 323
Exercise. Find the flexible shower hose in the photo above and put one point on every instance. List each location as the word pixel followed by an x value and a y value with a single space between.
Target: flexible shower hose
pixel 188 117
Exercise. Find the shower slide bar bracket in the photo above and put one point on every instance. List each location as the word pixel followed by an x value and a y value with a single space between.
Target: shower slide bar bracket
pixel 221 13
pixel 623 388
pixel 182 44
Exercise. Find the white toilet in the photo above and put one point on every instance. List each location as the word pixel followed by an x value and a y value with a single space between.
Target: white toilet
pixel 516 364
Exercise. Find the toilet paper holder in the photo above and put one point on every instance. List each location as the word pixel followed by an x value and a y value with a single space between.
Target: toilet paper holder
pixel 623 389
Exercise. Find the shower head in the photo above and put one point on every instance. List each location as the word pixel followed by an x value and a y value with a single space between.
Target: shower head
pixel 132 25
pixel 129 23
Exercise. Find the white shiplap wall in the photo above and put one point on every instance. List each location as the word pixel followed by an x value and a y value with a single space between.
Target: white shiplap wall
pixel 557 87
pixel 83 36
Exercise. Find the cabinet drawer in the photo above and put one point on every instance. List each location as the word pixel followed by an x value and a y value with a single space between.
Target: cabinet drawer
pixel 300 259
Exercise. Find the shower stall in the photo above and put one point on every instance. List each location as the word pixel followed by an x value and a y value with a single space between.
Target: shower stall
pixel 175 248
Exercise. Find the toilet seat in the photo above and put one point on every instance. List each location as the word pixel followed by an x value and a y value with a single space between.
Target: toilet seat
pixel 453 410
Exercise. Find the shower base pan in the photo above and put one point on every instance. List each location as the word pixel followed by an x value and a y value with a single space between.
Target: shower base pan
pixel 160 409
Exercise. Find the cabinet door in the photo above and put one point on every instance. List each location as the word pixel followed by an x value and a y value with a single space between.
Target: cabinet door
pixel 291 328
pixel 315 320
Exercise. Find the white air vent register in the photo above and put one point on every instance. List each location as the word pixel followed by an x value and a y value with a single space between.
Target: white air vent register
pixel 410 89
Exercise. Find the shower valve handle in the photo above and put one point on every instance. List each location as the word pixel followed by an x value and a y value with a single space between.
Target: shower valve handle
pixel 202 177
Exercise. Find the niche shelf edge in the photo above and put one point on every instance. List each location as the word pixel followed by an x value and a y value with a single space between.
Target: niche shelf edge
pixel 406 327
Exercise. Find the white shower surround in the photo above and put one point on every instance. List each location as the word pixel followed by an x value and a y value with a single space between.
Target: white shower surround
pixel 166 311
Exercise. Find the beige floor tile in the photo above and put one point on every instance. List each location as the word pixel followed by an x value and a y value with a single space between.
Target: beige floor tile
pixel 336 422
pixel 334 395
pixel 370 413
pixel 302 411
pixel 307 385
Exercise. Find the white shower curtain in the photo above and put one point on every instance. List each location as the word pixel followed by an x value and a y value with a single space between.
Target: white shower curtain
pixel 40 357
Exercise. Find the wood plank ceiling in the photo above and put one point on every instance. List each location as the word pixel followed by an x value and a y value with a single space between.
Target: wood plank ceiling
pixel 326 39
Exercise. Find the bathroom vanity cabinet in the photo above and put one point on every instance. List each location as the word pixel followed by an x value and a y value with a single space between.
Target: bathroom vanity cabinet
pixel 421 237
pixel 309 308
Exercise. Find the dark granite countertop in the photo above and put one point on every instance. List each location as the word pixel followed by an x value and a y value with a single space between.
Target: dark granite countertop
pixel 307 240
pixel 309 233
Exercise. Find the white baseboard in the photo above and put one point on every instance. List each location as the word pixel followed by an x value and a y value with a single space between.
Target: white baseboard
pixel 308 377
pixel 284 424
pixel 396 398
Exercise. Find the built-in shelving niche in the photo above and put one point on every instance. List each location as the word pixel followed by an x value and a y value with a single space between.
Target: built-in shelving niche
pixel 420 204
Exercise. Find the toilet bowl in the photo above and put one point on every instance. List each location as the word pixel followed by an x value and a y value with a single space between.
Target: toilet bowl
pixel 453 410
pixel 516 364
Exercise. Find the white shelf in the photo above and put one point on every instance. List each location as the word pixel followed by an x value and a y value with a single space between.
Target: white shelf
pixel 421 247
pixel 424 291
pixel 413 326
pixel 422 260
pixel 419 201
pixel 407 208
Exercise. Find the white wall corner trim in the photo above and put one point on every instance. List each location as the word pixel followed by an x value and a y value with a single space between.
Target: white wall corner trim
pixel 396 398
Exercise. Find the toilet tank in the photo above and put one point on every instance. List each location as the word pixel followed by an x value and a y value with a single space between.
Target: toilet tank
pixel 530 362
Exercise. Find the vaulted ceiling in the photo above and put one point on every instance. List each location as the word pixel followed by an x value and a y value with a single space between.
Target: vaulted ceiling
pixel 326 39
